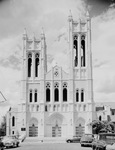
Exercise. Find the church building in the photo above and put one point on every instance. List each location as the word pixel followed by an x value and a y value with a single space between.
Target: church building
pixel 55 103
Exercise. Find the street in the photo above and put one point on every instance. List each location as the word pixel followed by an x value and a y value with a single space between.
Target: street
pixel 51 146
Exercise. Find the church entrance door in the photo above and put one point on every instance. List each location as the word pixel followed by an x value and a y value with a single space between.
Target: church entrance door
pixel 33 131
pixel 56 131
pixel 33 127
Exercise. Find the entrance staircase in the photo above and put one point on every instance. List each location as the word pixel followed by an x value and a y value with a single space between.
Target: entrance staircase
pixel 45 140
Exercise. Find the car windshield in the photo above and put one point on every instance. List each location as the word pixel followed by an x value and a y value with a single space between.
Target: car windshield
pixel 88 135
pixel 6 137
pixel 107 137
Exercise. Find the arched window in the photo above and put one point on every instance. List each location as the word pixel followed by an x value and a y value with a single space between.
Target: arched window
pixel 77 95
pixel 35 96
pixel 83 51
pixel 82 95
pixel 30 95
pixel 29 64
pixel 47 92
pixel 75 48
pixel 64 92
pixel 13 121
pixel 36 65
pixel 56 92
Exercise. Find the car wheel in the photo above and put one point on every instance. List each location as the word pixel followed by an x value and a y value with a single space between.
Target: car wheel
pixel 93 148
pixel 69 141
pixel 17 144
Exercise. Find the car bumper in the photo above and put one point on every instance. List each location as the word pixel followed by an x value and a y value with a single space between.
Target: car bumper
pixel 86 144
pixel 8 144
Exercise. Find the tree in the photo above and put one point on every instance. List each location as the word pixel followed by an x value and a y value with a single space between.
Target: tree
pixel 3 127
pixel 102 126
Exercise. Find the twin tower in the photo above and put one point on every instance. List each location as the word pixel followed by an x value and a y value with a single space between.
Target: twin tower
pixel 56 103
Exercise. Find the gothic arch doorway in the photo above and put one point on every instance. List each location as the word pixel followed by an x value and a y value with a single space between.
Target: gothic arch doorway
pixel 33 127
pixel 56 125
pixel 80 127
pixel 56 130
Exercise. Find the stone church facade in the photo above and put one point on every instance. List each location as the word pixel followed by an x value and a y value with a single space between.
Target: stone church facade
pixel 55 103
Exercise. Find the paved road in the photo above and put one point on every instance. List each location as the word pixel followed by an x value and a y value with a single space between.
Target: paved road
pixel 50 146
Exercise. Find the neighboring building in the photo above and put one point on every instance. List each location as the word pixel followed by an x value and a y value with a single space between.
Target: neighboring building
pixel 105 111
pixel 56 103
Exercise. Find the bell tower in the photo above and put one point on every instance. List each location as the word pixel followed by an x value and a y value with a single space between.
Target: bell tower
pixel 80 70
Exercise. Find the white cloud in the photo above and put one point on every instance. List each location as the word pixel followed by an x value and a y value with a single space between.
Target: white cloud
pixel 103 46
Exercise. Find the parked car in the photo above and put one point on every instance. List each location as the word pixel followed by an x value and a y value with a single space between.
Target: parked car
pixel 110 147
pixel 103 140
pixel 10 141
pixel 87 139
pixel 73 139
pixel 1 144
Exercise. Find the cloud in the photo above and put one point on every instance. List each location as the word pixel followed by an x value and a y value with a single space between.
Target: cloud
pixel 98 63
pixel 103 47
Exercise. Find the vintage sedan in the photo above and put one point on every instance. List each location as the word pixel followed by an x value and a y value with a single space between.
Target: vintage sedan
pixel 87 139
pixel 74 139
pixel 103 140
pixel 110 147
pixel 10 141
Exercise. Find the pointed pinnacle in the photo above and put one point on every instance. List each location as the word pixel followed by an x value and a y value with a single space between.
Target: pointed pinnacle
pixel 70 14
pixel 87 13
pixel 25 32
pixel 42 31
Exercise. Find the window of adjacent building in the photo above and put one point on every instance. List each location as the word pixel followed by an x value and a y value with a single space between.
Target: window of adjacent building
pixel 82 95
pixel 75 48
pixel 30 95
pixel 12 132
pixel 83 51
pixel 13 121
pixel 29 64
pixel 56 92
pixel 112 112
pixel 36 65
pixel 100 118
pixel 35 96
pixel 64 92
pixel 77 95
pixel 47 92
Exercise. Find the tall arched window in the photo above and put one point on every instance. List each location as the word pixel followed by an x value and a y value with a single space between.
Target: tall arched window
pixel 82 95
pixel 77 95
pixel 29 64
pixel 13 121
pixel 75 48
pixel 56 92
pixel 36 65
pixel 35 96
pixel 64 92
pixel 47 92
pixel 30 96
pixel 83 51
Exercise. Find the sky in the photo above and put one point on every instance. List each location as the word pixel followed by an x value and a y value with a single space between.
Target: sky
pixel 52 15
